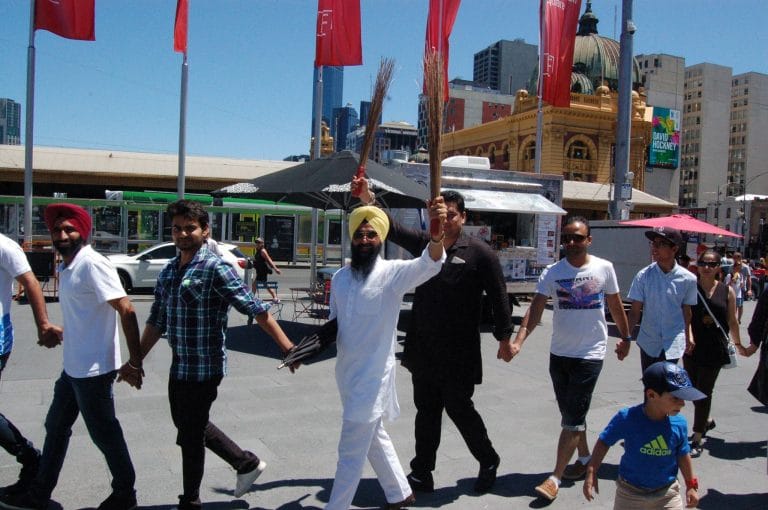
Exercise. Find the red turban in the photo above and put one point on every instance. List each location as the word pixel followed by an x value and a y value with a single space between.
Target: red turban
pixel 76 215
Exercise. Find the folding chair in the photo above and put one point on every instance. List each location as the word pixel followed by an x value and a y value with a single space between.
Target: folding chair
pixel 276 308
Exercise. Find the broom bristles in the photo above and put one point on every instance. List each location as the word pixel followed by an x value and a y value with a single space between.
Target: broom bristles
pixel 383 79
pixel 433 86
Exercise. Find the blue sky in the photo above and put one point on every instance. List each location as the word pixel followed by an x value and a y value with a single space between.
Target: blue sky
pixel 250 82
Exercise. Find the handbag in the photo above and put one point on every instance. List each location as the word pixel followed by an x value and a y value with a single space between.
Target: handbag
pixel 730 348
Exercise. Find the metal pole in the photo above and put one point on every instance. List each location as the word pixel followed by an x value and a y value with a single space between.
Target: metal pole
pixel 621 195
pixel 28 133
pixel 316 155
pixel 180 185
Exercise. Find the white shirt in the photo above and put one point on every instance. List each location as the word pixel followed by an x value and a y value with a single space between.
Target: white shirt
pixel 367 312
pixel 91 340
pixel 13 263
pixel 579 329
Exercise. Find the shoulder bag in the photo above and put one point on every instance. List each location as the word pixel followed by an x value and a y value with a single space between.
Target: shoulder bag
pixel 727 343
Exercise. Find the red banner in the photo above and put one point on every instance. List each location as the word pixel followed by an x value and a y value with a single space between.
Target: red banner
pixel 180 26
pixel 442 15
pixel 559 19
pixel 338 33
pixel 73 19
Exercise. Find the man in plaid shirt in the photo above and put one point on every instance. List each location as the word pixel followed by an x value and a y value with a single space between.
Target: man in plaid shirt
pixel 192 299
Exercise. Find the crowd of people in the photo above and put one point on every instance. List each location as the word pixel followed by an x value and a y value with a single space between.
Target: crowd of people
pixel 685 314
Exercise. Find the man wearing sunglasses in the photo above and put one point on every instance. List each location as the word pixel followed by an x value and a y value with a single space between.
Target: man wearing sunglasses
pixel 365 300
pixel 579 285
pixel 663 293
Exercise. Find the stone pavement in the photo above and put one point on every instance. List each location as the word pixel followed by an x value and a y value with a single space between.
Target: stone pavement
pixel 292 421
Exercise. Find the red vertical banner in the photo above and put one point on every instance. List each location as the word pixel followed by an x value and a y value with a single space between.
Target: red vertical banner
pixel 180 26
pixel 337 40
pixel 557 32
pixel 73 19
pixel 440 19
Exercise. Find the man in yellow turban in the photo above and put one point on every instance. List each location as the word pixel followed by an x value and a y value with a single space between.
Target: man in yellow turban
pixel 365 300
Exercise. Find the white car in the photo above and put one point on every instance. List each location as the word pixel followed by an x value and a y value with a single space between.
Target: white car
pixel 142 269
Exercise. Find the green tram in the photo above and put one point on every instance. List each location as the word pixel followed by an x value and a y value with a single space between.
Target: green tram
pixel 131 221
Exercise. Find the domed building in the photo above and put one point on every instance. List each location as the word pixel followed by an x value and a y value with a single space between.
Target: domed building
pixel 578 141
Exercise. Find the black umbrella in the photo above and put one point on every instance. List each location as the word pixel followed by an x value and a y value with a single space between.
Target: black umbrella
pixel 325 184
pixel 313 344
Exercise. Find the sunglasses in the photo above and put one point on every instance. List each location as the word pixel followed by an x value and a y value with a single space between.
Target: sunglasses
pixel 358 236
pixel 710 265
pixel 576 238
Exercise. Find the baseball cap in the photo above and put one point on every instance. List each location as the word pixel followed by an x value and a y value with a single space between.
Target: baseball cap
pixel 259 240
pixel 665 376
pixel 670 234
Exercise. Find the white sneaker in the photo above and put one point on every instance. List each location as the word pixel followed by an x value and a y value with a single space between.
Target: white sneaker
pixel 245 480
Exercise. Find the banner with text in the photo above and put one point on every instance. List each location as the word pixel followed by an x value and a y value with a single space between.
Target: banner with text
pixel 664 151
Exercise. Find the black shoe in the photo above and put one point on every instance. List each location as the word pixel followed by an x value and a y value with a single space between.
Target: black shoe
pixel 119 502
pixel 696 449
pixel 30 460
pixel 710 425
pixel 486 477
pixel 22 501
pixel 421 482
pixel 187 504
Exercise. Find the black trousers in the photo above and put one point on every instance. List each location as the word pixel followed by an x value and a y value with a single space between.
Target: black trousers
pixel 430 398
pixel 703 379
pixel 191 403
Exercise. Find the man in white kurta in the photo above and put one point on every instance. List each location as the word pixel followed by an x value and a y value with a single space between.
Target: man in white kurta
pixel 365 300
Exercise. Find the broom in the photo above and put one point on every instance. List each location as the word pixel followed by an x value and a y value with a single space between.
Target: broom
pixel 383 79
pixel 433 88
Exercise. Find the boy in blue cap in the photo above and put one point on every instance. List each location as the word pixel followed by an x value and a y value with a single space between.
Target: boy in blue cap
pixel 655 438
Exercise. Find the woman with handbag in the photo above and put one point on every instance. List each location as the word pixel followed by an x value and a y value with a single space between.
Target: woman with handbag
pixel 263 265
pixel 713 319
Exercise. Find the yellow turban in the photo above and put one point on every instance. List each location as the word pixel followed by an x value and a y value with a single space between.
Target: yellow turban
pixel 375 217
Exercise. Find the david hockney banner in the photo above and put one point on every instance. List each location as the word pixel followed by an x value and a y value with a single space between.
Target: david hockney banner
pixel 665 145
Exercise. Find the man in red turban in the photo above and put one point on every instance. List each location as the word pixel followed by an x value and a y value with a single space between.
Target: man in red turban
pixel 77 216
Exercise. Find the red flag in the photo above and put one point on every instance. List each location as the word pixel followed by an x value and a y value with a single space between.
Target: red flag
pixel 180 27
pixel 72 19
pixel 442 15
pixel 338 33
pixel 559 19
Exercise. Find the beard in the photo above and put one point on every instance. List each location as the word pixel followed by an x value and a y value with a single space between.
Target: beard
pixel 70 248
pixel 363 260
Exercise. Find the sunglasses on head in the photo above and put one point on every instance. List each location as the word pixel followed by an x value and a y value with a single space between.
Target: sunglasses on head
pixel 365 235
pixel 576 238
pixel 711 264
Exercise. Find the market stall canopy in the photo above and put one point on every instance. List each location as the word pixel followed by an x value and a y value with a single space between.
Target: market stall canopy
pixel 507 201
pixel 681 222
pixel 325 184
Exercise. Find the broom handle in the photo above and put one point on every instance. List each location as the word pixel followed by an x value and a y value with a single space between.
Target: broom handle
pixel 360 173
pixel 434 185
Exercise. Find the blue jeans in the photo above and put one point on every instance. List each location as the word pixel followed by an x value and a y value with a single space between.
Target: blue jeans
pixel 93 398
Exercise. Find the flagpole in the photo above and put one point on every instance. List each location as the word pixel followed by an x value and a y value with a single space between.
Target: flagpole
pixel 182 128
pixel 316 155
pixel 28 133
pixel 539 90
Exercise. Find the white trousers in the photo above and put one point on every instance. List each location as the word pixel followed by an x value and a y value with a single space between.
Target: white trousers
pixel 358 441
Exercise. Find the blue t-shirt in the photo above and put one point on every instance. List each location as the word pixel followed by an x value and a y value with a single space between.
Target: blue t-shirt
pixel 651 447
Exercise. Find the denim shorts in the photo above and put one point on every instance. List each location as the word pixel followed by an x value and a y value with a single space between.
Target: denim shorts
pixel 574 380
pixel 739 302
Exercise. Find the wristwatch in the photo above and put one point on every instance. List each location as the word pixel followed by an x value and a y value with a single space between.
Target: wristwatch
pixel 629 338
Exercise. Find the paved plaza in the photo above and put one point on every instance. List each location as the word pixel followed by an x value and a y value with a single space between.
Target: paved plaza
pixel 292 421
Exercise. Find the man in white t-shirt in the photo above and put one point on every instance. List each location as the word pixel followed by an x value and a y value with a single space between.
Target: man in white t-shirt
pixel 578 285
pixel 91 299
pixel 14 266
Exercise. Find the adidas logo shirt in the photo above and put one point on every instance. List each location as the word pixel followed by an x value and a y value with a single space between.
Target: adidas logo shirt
pixel 651 447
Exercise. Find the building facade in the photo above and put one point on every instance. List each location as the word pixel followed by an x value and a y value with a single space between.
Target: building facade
pixel 333 90
pixel 344 120
pixel 390 136
pixel 10 122
pixel 706 114
pixel 505 66
pixel 663 78
pixel 747 148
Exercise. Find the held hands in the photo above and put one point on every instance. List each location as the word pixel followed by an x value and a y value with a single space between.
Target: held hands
pixel 507 350
pixel 622 349
pixel 131 374
pixel 50 336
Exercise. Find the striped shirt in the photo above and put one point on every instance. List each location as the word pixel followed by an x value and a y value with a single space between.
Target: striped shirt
pixel 191 307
